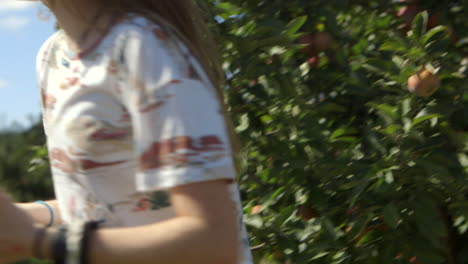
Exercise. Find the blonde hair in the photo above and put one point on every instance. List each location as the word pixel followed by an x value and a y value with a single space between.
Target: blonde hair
pixel 184 17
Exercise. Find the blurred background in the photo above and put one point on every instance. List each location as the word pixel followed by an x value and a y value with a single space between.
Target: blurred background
pixel 24 29
pixel 352 116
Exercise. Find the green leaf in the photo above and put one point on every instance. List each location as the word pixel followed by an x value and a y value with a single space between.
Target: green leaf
pixel 435 34
pixel 332 107
pixel 421 119
pixel 439 43
pixel 244 123
pixel 340 132
pixel 225 6
pixel 253 221
pixel 427 254
pixel 359 225
pixel 380 66
pixel 337 133
pixel 294 25
pixel 320 255
pixel 433 168
pixel 391 215
pixel 405 107
pixel 420 24
pixel 395 46
pixel 386 111
pixel 227 10
pixel 329 228
pixel 391 129
pixel 279 40
pixel 427 217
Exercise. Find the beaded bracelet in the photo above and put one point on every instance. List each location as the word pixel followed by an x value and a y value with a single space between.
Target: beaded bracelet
pixel 60 246
pixel 52 215
pixel 89 228
pixel 71 244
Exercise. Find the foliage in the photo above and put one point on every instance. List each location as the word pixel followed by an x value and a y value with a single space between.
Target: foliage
pixel 341 163
pixel 346 139
pixel 24 170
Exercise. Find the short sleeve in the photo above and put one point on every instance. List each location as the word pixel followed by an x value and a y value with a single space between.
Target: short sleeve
pixel 179 131
pixel 42 59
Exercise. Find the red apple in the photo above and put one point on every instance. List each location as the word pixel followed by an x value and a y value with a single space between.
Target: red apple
pixel 315 43
pixel 408 13
pixel 307 212
pixel 414 260
pixel 252 83
pixel 452 35
pixel 433 20
pixel 353 210
pixel 424 83
pixel 278 254
pixel 308 41
pixel 313 62
pixel 256 209
pixel 381 227
pixel 323 41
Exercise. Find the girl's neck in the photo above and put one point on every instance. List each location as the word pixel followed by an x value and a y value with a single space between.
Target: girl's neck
pixel 79 28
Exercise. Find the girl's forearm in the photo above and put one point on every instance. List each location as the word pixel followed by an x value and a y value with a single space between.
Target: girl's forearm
pixel 181 240
pixel 40 214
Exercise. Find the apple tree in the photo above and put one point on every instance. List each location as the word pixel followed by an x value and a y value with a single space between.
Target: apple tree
pixel 353 119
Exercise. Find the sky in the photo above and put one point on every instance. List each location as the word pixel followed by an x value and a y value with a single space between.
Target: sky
pixel 23 31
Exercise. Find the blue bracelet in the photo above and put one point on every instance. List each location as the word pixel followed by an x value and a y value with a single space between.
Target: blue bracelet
pixel 52 215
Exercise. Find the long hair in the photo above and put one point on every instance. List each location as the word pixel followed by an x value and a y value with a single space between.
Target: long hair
pixel 186 20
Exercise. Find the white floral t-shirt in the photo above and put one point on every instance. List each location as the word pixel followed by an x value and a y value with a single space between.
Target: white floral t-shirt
pixel 128 119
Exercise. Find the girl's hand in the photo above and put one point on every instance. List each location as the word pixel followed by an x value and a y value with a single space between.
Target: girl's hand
pixel 17 232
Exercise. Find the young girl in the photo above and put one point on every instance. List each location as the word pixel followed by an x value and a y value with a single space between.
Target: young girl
pixel 140 145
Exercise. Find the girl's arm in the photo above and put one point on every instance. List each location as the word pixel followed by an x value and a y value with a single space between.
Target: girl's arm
pixel 39 213
pixel 205 230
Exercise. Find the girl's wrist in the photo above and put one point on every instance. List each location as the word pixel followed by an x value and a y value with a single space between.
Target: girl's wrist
pixel 38 212
pixel 68 243
pixel 42 242
pixel 51 211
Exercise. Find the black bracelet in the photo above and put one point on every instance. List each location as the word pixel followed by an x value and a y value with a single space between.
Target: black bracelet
pixel 60 246
pixel 89 228
pixel 37 246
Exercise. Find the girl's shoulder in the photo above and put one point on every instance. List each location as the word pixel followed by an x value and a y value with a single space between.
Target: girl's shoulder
pixel 47 48
pixel 134 33
pixel 138 24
